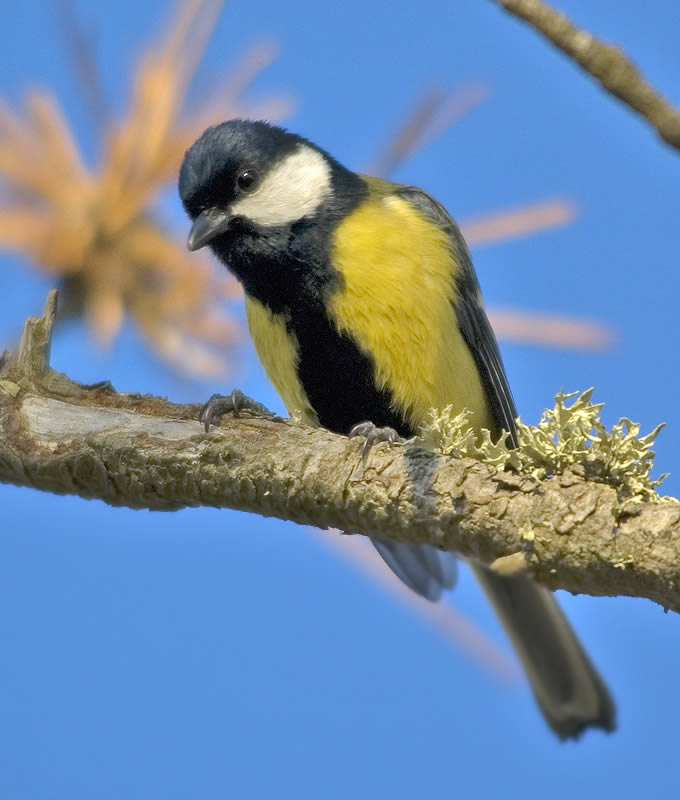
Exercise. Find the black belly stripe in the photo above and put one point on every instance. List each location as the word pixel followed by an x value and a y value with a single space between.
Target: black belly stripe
pixel 338 377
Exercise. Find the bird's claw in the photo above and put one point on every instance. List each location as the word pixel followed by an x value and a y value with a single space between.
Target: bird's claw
pixel 373 435
pixel 221 404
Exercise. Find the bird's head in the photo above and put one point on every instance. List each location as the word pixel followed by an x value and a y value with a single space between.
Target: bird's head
pixel 252 177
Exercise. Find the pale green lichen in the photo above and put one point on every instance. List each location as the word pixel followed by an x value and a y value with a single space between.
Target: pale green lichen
pixel 565 435
pixel 297 416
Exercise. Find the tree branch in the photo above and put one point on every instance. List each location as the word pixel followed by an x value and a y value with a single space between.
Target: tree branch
pixel 145 452
pixel 608 64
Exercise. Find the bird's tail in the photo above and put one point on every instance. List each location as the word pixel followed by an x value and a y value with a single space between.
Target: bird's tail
pixel 423 568
pixel 567 687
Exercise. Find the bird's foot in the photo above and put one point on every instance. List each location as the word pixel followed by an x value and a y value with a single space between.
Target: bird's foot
pixel 221 404
pixel 374 435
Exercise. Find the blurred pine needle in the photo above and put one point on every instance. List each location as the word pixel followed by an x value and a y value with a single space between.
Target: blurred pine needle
pixel 94 228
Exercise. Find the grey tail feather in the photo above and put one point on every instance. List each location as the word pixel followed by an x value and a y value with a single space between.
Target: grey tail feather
pixel 423 568
pixel 566 685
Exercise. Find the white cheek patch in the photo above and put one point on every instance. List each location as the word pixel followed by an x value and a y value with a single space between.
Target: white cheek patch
pixel 293 189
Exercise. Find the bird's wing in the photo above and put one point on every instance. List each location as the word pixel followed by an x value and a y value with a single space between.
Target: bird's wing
pixel 469 308
pixel 423 568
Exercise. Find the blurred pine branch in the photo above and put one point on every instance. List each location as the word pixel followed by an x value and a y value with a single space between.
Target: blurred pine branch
pixel 96 229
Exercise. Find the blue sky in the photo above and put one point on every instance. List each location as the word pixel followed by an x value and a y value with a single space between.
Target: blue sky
pixel 212 654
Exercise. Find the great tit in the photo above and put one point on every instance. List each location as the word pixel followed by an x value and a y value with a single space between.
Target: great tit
pixel 366 313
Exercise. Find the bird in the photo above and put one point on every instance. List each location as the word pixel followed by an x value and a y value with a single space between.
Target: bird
pixel 366 313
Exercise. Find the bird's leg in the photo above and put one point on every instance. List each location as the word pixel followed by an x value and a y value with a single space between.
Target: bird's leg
pixel 220 404
pixel 374 435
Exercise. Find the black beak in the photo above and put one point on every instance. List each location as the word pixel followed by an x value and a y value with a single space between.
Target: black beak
pixel 207 225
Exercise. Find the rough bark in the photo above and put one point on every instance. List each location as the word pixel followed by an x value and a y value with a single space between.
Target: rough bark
pixel 146 452
pixel 604 62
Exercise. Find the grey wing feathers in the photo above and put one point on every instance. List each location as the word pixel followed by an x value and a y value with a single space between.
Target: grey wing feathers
pixel 472 319
pixel 424 569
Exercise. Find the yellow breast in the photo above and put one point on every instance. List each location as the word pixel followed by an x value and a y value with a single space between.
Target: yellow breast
pixel 278 351
pixel 397 303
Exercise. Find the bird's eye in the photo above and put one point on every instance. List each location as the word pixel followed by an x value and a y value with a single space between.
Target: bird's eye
pixel 248 180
